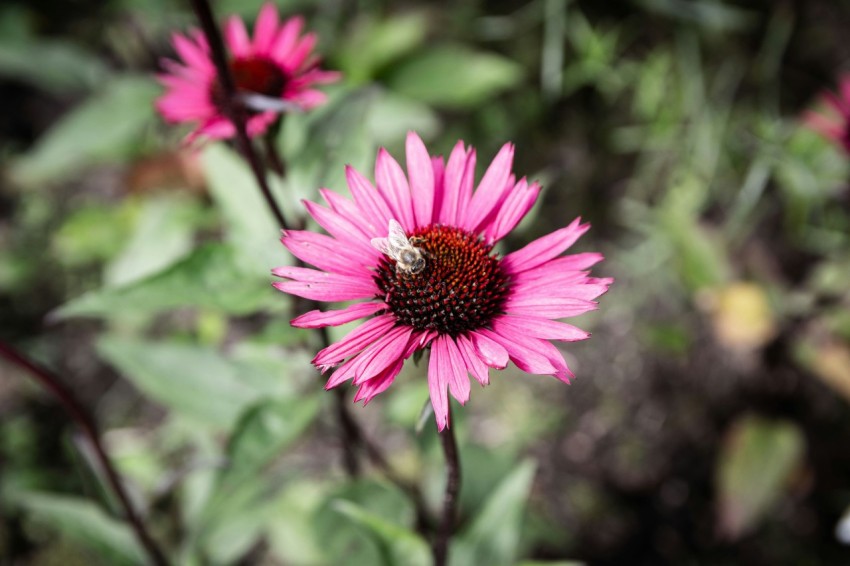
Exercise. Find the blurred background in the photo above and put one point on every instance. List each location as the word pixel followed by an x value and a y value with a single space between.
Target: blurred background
pixel 709 421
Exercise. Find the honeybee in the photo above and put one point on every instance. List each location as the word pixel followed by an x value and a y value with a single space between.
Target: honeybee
pixel 408 258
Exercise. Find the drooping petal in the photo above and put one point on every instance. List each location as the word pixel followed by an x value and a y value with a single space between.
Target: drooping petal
pixel 522 353
pixel 319 319
pixel 421 174
pixel 491 352
pixel 458 380
pixel 474 365
pixel 378 384
pixel 392 348
pixel 439 366
pixel 354 341
pixel 544 249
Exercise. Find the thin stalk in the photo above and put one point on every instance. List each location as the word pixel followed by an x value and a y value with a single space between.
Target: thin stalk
pixel 273 157
pixel 87 424
pixel 453 479
pixel 234 111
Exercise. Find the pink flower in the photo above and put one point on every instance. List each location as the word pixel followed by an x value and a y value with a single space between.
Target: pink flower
pixel 834 121
pixel 474 309
pixel 277 64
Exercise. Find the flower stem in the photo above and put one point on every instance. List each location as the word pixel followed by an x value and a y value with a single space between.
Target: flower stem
pixel 273 157
pixel 86 423
pixel 234 110
pixel 453 479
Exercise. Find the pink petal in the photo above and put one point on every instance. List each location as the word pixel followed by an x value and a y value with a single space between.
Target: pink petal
pixel 554 288
pixel 349 211
pixel 354 341
pixel 458 379
pixel 542 328
pixel 341 229
pixel 517 204
pixel 236 37
pixel 392 183
pixel 369 200
pixel 286 39
pixel 491 189
pixel 489 351
pixel 300 53
pixel 473 363
pixel 457 185
pixel 548 307
pixel 191 53
pixel 378 384
pixel 327 253
pixel 265 29
pixel 522 352
pixel 388 350
pixel 421 174
pixel 439 367
pixel 544 249
pixel 319 319
pixel 324 286
pixel 439 188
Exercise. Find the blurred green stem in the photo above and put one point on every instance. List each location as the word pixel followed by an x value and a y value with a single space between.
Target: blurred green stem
pixel 86 423
pixel 453 479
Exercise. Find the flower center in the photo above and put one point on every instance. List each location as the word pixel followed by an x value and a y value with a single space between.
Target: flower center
pixel 460 288
pixel 252 74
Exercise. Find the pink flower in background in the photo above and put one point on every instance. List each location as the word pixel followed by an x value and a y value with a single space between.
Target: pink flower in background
pixel 278 64
pixel 834 121
pixel 416 251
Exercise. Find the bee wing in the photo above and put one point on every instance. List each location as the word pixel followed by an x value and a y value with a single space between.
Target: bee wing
pixel 397 237
pixel 382 245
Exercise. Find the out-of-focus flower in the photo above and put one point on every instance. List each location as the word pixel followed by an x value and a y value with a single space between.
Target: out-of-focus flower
pixel 833 121
pixel 417 251
pixel 278 64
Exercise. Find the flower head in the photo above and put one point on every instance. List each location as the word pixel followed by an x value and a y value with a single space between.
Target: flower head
pixel 277 64
pixel 834 121
pixel 416 252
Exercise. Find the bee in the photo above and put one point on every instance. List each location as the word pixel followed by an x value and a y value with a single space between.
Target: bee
pixel 409 259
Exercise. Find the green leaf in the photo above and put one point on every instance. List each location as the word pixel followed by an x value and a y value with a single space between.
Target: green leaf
pixel 94 232
pixel 454 76
pixel 212 277
pixel 398 545
pixel 263 433
pixel 105 127
pixel 163 233
pixel 494 535
pixel 56 66
pixel 85 523
pixel 197 383
pixel 757 460
pixel 251 226
pixel 393 115
pixel 373 44
pixel 344 542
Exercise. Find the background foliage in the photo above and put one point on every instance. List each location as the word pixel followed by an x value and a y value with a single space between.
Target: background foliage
pixel 709 420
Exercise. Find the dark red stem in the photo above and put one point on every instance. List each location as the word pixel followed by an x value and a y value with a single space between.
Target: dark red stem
pixel 235 111
pixel 453 479
pixel 86 423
